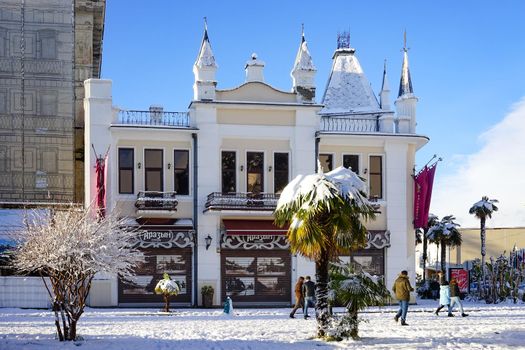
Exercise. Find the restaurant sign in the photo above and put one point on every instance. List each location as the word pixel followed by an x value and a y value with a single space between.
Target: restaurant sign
pixel 165 239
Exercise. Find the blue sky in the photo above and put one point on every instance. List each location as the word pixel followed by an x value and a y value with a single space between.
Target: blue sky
pixel 466 57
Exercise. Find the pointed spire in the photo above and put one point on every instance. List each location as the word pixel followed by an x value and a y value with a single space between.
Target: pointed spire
pixel 205 57
pixel 303 59
pixel 384 86
pixel 405 84
pixel 384 95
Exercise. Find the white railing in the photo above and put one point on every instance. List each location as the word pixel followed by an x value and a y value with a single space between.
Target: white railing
pixel 349 124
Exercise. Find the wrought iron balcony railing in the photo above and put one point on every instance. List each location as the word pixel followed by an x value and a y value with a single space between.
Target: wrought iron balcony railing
pixel 241 201
pixel 153 200
pixel 154 118
pixel 350 124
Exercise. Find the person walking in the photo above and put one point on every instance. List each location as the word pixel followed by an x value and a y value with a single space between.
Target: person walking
pixel 298 296
pixel 309 295
pixel 402 289
pixel 455 297
pixel 444 298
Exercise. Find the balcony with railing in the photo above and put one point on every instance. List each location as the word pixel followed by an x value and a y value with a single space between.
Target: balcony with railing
pixel 154 118
pixel 350 124
pixel 156 202
pixel 218 201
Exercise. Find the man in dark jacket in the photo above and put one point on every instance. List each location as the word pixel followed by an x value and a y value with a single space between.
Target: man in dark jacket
pixel 298 296
pixel 309 295
pixel 402 289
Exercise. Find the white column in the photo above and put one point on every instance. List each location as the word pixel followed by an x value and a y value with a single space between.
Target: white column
pixel 209 177
pixel 400 255
pixel 98 115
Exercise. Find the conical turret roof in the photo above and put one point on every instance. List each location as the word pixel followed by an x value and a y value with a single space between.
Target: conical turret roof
pixel 348 90
pixel 405 84
pixel 205 58
pixel 303 59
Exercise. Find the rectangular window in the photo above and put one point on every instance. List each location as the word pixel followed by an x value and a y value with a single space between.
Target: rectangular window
pixel 48 45
pixel 229 161
pixel 281 171
pixel 255 172
pixel 351 161
pixel 376 176
pixel 125 170
pixel 326 161
pixel 181 167
pixel 153 169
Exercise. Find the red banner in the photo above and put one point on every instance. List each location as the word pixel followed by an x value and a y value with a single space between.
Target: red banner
pixel 420 195
pixel 423 183
pixel 101 173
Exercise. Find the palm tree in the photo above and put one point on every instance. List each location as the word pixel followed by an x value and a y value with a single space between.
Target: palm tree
pixel 356 290
pixel 432 220
pixel 446 234
pixel 325 212
pixel 481 210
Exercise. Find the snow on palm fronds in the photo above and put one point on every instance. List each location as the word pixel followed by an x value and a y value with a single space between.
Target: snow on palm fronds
pixel 446 228
pixel 484 208
pixel 356 290
pixel 306 191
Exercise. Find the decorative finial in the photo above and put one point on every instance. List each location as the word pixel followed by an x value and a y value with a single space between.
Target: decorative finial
pixel 384 66
pixel 343 40
pixel 302 32
pixel 405 48
pixel 205 23
pixel 254 56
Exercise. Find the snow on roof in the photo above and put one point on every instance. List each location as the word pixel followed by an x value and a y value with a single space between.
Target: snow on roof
pixel 303 59
pixel 205 57
pixel 348 89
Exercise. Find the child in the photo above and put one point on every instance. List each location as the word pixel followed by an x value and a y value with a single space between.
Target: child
pixel 454 297
pixel 444 298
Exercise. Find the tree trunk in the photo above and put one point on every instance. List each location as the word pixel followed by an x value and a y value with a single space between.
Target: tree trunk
pixel 321 293
pixel 425 243
pixel 354 329
pixel 72 334
pixel 443 247
pixel 481 283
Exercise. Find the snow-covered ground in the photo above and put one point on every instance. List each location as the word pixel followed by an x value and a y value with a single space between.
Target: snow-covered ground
pixel 488 326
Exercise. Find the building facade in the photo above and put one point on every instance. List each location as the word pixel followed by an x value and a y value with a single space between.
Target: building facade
pixel 203 184
pixel 47 49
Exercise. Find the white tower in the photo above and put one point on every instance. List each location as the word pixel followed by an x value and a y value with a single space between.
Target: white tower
pixel 303 74
pixel 204 70
pixel 406 100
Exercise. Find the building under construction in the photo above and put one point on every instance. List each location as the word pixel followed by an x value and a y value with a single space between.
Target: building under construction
pixel 47 49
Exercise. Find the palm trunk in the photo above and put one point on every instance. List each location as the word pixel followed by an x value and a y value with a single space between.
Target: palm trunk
pixel 483 252
pixel 354 328
pixel 425 243
pixel 321 293
pixel 443 257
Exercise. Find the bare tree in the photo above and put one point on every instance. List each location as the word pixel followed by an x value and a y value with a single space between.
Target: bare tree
pixel 70 246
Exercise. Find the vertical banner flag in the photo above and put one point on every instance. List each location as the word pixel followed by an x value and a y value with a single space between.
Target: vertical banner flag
pixel 420 190
pixel 101 173
pixel 423 183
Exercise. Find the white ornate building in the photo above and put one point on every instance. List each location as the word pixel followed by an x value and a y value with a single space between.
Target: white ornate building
pixel 204 183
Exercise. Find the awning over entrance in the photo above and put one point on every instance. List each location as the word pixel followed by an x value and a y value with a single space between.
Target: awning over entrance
pixel 253 227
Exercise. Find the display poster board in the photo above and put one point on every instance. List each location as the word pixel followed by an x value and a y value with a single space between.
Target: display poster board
pixel 462 277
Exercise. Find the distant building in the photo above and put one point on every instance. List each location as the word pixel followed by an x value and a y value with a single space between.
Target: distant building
pixel 499 240
pixel 47 49
pixel 204 182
